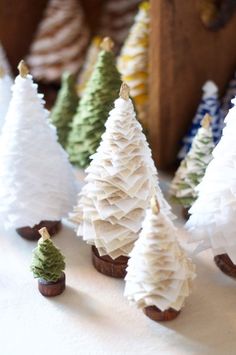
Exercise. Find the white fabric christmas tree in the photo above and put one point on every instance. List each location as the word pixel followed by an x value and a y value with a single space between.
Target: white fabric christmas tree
pixel 36 179
pixel 159 273
pixel 60 41
pixel 121 179
pixel 209 104
pixel 5 94
pixel 192 167
pixel 4 61
pixel 213 215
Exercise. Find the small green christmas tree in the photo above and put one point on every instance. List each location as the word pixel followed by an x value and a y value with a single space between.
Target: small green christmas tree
pixel 193 167
pixel 48 262
pixel 65 107
pixel 99 95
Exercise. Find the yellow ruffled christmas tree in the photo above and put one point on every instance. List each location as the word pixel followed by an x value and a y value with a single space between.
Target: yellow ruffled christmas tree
pixel 133 61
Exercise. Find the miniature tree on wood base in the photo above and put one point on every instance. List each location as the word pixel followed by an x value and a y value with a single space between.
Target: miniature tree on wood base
pixel 48 265
pixel 98 98
pixel 120 181
pixel 212 221
pixel 37 184
pixel 159 274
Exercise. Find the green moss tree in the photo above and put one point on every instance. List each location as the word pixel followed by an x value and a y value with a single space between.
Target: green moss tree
pixel 47 262
pixel 65 107
pixel 94 106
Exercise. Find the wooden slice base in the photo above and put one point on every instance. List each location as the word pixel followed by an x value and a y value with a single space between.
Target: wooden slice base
pixel 157 315
pixel 32 233
pixel 108 266
pixel 226 265
pixel 185 213
pixel 52 289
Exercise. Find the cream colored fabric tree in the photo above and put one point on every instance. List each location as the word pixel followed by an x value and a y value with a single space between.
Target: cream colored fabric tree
pixel 120 181
pixel 60 41
pixel 159 273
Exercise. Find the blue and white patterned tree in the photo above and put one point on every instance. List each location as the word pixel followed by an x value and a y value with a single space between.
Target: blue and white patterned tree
pixel 209 104
pixel 226 103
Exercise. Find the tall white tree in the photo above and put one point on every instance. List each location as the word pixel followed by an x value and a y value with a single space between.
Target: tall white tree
pixel 36 179
pixel 5 94
pixel 213 217
pixel 159 273
pixel 121 179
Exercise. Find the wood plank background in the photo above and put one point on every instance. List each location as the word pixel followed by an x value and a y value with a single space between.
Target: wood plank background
pixel 183 54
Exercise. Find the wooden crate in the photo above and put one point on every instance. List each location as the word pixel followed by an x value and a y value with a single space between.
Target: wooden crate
pixel 183 55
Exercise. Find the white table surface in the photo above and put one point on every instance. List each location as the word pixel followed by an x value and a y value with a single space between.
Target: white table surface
pixel 92 316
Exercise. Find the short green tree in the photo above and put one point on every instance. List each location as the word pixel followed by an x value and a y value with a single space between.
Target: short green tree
pixel 48 262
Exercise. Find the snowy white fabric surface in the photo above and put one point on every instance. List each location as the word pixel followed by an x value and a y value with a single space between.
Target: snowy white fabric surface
pixel 36 180
pixel 92 317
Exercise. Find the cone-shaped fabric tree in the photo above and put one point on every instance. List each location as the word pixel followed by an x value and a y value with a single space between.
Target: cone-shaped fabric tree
pixel 193 166
pixel 5 95
pixel 36 179
pixel 94 106
pixel 121 178
pixel 209 104
pixel 60 41
pixel 65 107
pixel 4 64
pixel 226 103
pixel 89 64
pixel 116 19
pixel 133 61
pixel 212 221
pixel 159 273
pixel 47 262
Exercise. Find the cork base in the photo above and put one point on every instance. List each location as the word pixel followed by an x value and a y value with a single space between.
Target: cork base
pixel 157 315
pixel 108 266
pixel 226 265
pixel 185 213
pixel 52 289
pixel 32 233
